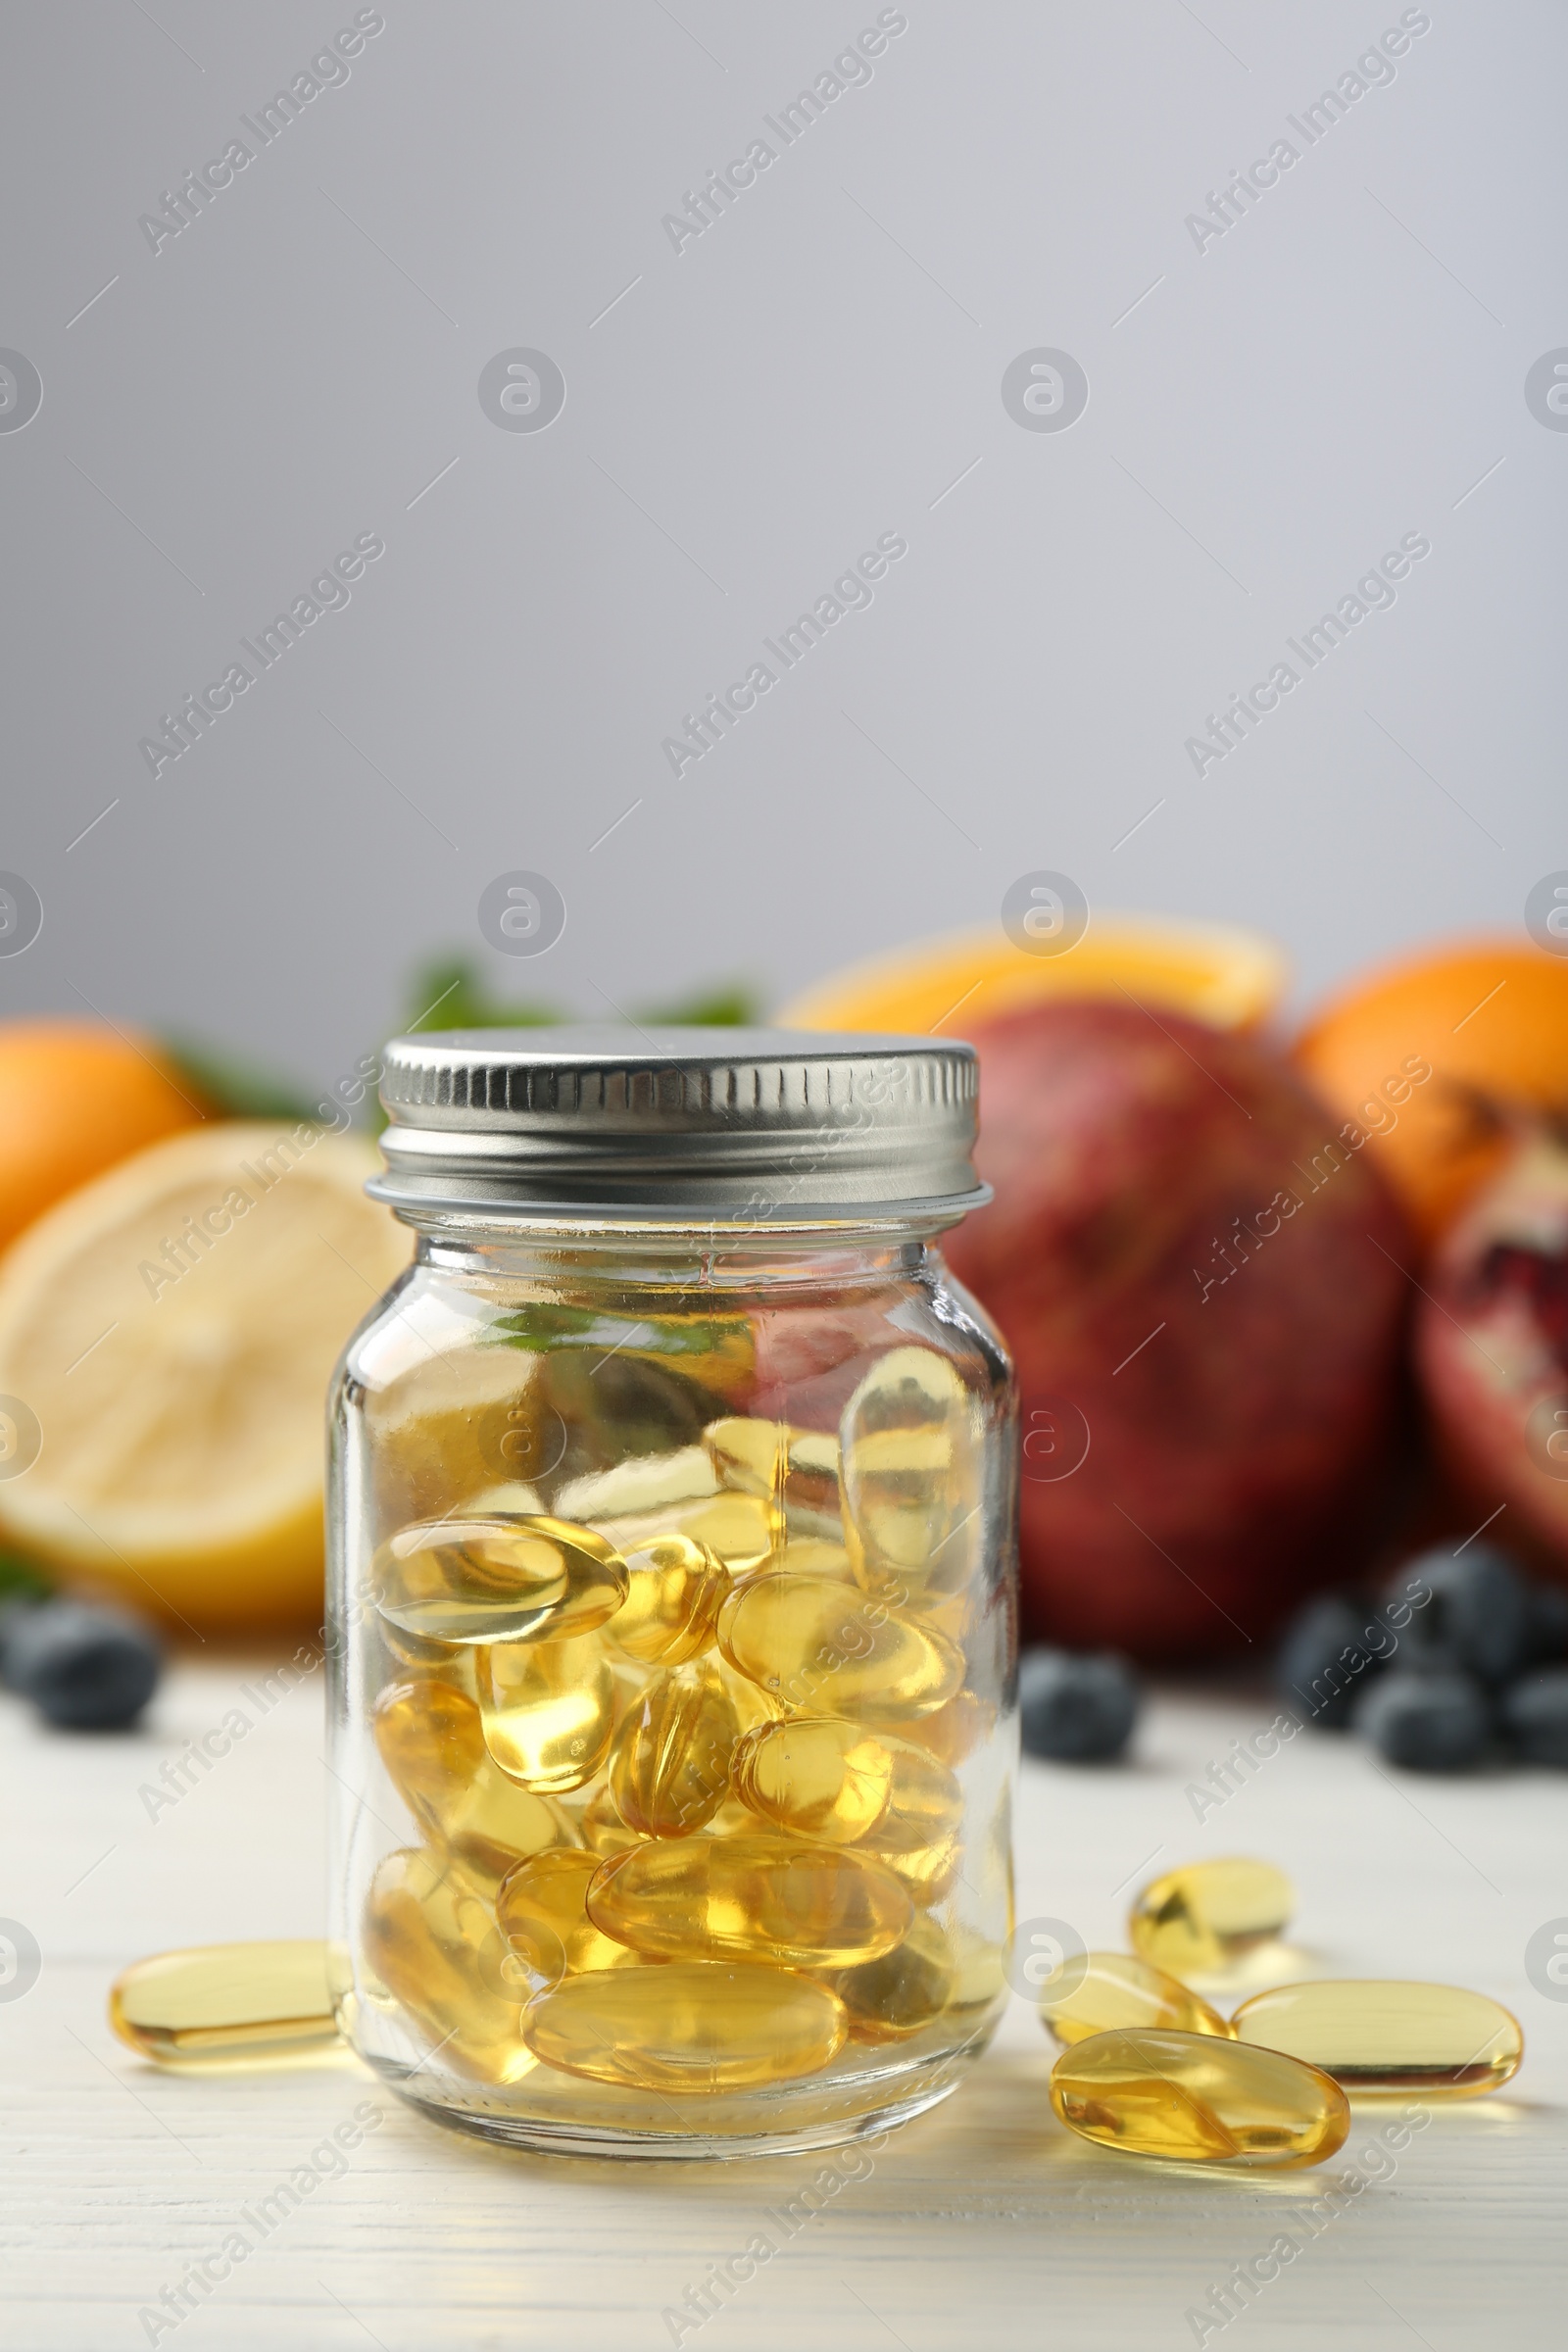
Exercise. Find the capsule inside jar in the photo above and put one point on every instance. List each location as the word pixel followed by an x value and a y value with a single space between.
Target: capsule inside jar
pixel 548 1710
pixel 911 1474
pixel 750 1896
pixel 692 2026
pixel 430 1737
pixel 826 1649
pixel 497 1578
pixel 668 1768
pixel 435 1946
pixel 675 1590
pixel 543 1922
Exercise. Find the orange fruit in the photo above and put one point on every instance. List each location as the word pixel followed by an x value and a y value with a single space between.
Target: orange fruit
pixel 74 1098
pixel 1231 979
pixel 169 1332
pixel 1488 1021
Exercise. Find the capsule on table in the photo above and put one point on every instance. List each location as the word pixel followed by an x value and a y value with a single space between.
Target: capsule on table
pixel 546 1931
pixel 227 2005
pixel 750 1897
pixel 1102 1992
pixel 886 1999
pixel 826 1649
pixel 430 1737
pixel 548 1709
pixel 435 1946
pixel 668 1768
pixel 1376 2036
pixel 1202 1919
pixel 1198 2098
pixel 692 2026
pixel 675 1588
pixel 502 1578
pixel 910 1456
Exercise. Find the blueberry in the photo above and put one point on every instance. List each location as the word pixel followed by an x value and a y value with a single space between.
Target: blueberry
pixel 85 1669
pixel 1324 1660
pixel 1429 1720
pixel 13 1607
pixel 1075 1707
pixel 1535 1713
pixel 1549 1623
pixel 1478 1618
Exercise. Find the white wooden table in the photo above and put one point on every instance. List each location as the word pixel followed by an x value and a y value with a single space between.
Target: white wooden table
pixel 982 2223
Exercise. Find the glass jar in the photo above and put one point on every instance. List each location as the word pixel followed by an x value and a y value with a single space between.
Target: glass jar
pixel 673 1596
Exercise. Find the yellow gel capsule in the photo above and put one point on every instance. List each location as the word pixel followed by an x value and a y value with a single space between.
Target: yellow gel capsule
pixel 600 1826
pixel 742 1528
pixel 1198 2098
pixel 1205 1917
pixel 906 1988
pixel 436 1949
pixel 1373 2036
pixel 222 2005
pixel 549 1709
pixel 979 1981
pixel 430 1737
pixel 752 1705
pixel 826 1649
pixel 911 1453
pixel 675 1588
pixel 813 1555
pixel 1100 1992
pixel 750 1897
pixel 669 1765
pixel 839 1783
pixel 817 1776
pixel 929 1872
pixel 797 1470
pixel 504 1578
pixel 645 1481
pixel 750 1455
pixel 546 1931
pixel 956 1730
pixel 690 2027
pixel 452 1659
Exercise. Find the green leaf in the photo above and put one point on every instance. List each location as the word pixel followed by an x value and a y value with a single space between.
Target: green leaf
pixel 237 1087
pixel 731 1007
pixel 23 1579
pixel 453 995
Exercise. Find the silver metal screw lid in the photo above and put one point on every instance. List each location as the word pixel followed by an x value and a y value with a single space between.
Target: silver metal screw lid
pixel 767 1126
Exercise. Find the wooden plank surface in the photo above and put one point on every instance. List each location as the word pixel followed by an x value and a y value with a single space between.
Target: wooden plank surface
pixel 982 2223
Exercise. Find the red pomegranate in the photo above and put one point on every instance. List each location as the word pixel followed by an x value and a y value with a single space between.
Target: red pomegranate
pixel 1202 1283
pixel 1492 1343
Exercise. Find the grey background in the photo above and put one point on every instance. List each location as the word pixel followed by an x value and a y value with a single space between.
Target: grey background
pixel 1342 368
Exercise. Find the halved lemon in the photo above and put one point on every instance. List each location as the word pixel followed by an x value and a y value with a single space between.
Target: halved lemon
pixel 170 1331
pixel 1230 978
